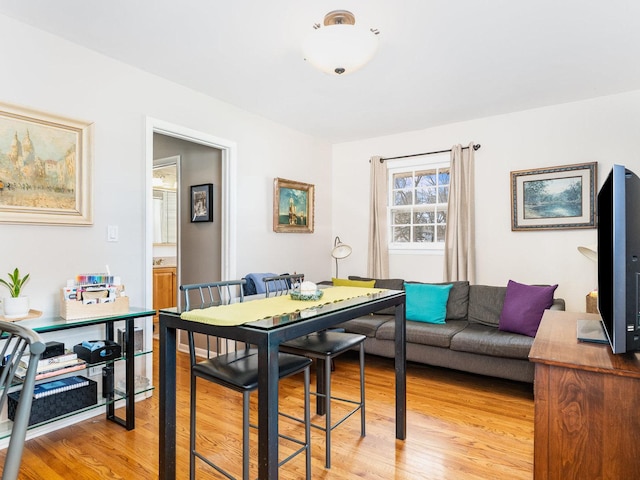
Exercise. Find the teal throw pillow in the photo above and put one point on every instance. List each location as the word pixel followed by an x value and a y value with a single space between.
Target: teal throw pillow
pixel 427 303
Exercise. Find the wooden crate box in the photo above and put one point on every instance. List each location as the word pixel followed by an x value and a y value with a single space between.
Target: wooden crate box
pixel 73 309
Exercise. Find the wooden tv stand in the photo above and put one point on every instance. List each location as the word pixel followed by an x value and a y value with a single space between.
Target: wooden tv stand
pixel 587 402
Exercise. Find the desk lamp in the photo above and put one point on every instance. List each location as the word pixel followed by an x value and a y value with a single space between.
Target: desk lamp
pixel 591 252
pixel 340 251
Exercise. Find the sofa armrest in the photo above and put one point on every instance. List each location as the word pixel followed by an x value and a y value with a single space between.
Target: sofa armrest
pixel 558 304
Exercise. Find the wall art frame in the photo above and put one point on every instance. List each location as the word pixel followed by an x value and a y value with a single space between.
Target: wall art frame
pixel 202 203
pixel 293 206
pixel 554 198
pixel 45 168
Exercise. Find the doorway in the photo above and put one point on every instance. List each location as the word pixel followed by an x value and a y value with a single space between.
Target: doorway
pixel 204 160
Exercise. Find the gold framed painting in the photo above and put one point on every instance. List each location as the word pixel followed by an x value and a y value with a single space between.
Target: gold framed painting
pixel 293 204
pixel 45 168
pixel 554 198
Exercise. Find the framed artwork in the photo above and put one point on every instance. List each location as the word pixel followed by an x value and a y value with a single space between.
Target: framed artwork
pixel 554 198
pixel 293 204
pixel 202 203
pixel 45 168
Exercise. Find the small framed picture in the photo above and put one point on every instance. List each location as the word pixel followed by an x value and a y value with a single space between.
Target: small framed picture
pixel 202 203
pixel 554 198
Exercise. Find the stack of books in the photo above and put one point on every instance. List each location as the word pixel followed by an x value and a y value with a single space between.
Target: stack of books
pixel 58 386
pixel 50 367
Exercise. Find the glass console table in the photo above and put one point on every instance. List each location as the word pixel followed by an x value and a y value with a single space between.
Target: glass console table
pixel 57 324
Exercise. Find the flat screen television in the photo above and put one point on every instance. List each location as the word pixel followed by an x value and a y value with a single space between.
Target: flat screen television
pixel 618 209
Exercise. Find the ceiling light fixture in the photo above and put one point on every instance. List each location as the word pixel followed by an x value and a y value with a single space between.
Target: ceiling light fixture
pixel 340 46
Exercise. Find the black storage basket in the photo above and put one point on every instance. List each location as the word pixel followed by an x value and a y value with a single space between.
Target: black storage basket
pixel 46 408
pixel 110 351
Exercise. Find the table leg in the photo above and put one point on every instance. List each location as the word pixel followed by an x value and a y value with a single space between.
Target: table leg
pixel 130 375
pixel 268 410
pixel 321 387
pixel 109 396
pixel 167 410
pixel 129 421
pixel 401 372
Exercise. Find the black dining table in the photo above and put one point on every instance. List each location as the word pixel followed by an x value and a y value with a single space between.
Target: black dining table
pixel 267 334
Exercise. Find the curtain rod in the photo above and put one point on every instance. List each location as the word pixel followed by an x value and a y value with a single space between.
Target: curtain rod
pixel 475 147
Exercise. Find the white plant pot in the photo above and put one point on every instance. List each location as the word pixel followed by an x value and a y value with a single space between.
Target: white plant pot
pixel 15 307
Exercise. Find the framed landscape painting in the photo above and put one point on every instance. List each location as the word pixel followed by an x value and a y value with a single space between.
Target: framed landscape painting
pixel 554 198
pixel 293 204
pixel 45 168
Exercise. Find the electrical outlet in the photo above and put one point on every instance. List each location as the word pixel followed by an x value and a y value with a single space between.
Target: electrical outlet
pixel 93 371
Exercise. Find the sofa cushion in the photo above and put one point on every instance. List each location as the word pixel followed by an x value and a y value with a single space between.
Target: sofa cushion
pixel 343 282
pixel 558 304
pixel 458 303
pixel 427 303
pixel 488 340
pixel 436 335
pixel 387 283
pixel 524 306
pixel 485 304
pixel 366 325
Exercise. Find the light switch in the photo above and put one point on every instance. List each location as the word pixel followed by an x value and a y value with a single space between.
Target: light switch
pixel 112 233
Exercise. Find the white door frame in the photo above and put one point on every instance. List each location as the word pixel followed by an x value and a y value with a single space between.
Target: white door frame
pixel 228 189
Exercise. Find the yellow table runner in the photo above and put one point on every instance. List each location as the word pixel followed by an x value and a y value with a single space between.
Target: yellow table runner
pixel 239 313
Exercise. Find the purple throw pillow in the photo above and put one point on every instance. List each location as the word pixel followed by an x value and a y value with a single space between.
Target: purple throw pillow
pixel 523 307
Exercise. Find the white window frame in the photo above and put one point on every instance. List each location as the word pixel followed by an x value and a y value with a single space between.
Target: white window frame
pixel 441 160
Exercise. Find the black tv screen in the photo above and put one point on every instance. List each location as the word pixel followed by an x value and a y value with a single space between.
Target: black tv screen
pixel 618 258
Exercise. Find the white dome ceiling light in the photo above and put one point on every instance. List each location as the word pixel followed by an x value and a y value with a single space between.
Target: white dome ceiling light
pixel 340 47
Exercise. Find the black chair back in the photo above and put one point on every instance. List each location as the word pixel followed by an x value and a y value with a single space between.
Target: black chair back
pixel 282 284
pixel 212 294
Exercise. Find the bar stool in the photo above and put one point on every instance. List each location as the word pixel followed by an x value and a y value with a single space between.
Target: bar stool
pixel 235 366
pixel 323 346
pixel 18 341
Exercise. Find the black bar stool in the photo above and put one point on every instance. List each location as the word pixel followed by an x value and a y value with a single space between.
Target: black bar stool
pixel 323 346
pixel 235 366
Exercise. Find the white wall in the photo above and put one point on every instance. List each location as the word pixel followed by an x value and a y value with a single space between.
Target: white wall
pixel 44 72
pixel 602 130
pixel 47 73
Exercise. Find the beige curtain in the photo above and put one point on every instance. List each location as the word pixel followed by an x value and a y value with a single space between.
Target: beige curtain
pixel 378 256
pixel 459 245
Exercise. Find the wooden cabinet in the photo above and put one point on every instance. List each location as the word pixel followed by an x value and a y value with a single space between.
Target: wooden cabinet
pixel 165 288
pixel 586 405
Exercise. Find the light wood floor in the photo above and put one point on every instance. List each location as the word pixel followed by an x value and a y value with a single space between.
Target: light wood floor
pixel 459 426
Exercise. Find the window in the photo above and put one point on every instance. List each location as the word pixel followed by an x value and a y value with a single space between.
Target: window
pixel 418 196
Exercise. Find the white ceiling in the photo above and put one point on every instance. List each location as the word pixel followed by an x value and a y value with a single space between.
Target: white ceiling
pixel 439 61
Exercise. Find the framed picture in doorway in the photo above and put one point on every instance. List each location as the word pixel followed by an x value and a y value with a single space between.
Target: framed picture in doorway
pixel 554 198
pixel 202 203
pixel 293 204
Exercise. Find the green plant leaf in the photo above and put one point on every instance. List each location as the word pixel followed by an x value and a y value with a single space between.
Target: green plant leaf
pixel 16 283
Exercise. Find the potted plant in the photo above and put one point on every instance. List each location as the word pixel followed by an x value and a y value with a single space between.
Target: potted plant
pixel 15 306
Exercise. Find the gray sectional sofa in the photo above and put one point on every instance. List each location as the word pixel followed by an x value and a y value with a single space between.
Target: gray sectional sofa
pixel 469 340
